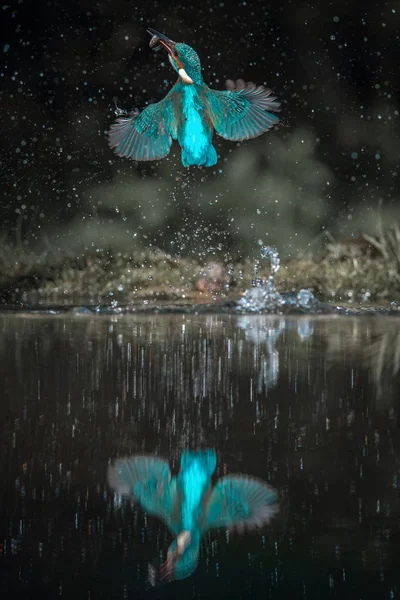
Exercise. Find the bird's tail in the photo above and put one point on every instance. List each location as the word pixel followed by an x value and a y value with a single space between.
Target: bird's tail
pixel 207 159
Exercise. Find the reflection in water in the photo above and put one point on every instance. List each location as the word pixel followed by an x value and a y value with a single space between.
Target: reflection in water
pixel 189 505
pixel 383 356
pixel 322 429
pixel 265 331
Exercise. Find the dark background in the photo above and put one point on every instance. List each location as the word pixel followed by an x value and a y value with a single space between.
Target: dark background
pixel 331 163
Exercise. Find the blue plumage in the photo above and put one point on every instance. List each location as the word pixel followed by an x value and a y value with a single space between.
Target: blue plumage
pixel 189 505
pixel 191 112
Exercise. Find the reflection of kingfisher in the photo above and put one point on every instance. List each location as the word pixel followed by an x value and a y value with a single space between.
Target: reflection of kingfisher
pixel 189 505
pixel 190 113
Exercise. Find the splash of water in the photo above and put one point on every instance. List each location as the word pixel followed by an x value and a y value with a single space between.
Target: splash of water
pixel 263 295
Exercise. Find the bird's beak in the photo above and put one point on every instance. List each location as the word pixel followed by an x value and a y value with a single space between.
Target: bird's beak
pixel 166 572
pixel 160 38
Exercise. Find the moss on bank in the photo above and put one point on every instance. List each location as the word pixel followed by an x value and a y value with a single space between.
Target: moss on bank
pixel 341 275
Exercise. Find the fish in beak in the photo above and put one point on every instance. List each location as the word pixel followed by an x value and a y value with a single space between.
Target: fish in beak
pixel 165 573
pixel 157 41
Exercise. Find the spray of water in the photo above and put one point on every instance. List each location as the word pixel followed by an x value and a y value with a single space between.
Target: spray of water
pixel 263 295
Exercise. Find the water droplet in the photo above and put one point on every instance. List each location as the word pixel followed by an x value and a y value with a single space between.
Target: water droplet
pixel 305 298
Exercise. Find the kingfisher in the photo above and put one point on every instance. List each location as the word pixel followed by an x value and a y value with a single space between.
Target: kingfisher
pixel 191 112
pixel 189 504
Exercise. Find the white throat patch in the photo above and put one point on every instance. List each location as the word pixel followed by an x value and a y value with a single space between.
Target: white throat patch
pixel 184 76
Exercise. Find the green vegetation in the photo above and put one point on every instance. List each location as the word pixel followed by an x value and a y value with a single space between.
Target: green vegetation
pixel 356 270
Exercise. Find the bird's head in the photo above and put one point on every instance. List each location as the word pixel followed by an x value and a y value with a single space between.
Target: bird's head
pixel 182 57
pixel 182 559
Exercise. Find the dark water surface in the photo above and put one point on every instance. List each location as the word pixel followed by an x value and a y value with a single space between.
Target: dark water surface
pixel 311 405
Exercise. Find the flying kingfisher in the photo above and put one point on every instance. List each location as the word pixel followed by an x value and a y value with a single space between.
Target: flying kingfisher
pixel 190 505
pixel 191 112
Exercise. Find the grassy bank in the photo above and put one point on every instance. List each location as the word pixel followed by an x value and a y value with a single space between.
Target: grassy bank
pixel 355 270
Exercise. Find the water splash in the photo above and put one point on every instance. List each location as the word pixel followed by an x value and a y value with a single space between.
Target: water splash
pixel 273 255
pixel 264 297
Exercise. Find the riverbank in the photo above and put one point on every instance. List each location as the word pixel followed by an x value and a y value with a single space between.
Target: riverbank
pixel 356 271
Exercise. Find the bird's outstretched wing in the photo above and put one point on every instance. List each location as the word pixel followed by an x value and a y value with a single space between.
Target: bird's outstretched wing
pixel 240 502
pixel 148 480
pixel 242 112
pixel 144 136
